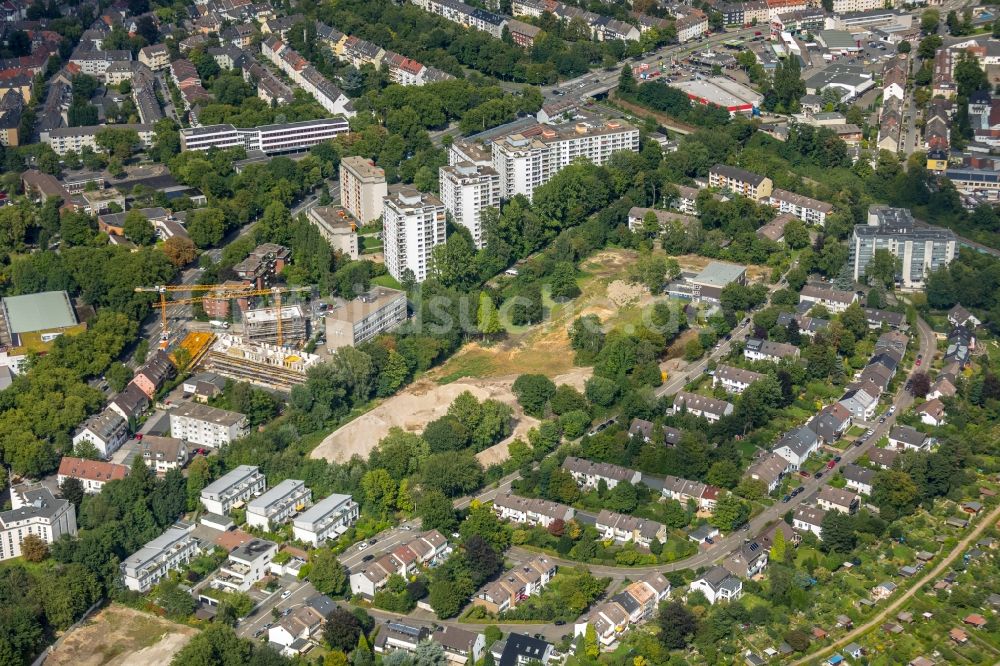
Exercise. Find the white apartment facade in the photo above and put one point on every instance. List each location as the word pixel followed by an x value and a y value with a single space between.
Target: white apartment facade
pixel 168 552
pixel 237 486
pixel 466 191
pixel 270 139
pixel 207 426
pixel 360 320
pixel 362 188
pixel 34 512
pixel 413 223
pixel 65 139
pixel 326 519
pixel 107 431
pixel 523 163
pixel 246 565
pixel 278 504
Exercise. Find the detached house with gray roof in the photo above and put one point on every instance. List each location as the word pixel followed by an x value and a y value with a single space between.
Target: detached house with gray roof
pixel 905 438
pixel 733 379
pixel 756 349
pixel 831 423
pixel 717 584
pixel 769 470
pixel 707 408
pixel 797 445
pixel 858 478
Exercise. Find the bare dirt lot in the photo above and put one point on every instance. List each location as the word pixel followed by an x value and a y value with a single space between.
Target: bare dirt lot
pixel 121 636
pixel 420 404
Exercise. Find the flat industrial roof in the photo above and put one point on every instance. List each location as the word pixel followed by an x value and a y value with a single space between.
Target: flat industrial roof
pixel 39 312
pixel 719 274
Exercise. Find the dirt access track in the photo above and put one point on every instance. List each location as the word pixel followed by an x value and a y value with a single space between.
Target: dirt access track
pixel 121 636
pixel 421 403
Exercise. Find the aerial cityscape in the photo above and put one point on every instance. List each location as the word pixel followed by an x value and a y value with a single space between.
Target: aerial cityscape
pixel 499 332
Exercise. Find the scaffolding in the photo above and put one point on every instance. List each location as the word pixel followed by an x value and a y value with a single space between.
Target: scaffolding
pixel 265 365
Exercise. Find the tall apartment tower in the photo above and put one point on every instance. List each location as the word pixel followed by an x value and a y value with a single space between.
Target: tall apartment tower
pixel 412 224
pixel 920 250
pixel 525 161
pixel 466 190
pixel 362 188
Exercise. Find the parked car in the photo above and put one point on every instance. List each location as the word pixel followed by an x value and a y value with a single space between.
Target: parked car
pixel 362 545
pixel 286 594
pixel 786 498
pixel 367 558
pixel 818 475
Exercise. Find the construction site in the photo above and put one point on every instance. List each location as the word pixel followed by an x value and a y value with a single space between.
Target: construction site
pixel 267 354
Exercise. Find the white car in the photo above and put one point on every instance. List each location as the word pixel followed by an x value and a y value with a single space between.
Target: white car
pixel 362 545
pixel 286 594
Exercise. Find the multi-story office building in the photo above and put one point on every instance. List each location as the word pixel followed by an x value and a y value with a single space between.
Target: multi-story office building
pixel 270 139
pixel 920 250
pixel 531 158
pixel 207 426
pixel 360 320
pixel 413 223
pixel 171 550
pixel 362 188
pixel 467 190
pixel 237 486
pixel 327 519
pixel 278 504
pixel 35 512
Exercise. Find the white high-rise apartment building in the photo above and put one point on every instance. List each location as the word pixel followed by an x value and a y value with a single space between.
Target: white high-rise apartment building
pixel 466 190
pixel 362 188
pixel 412 224
pixel 525 162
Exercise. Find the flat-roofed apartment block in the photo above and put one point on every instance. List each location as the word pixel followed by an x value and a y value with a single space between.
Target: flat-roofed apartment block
pixel 326 519
pixel 34 511
pixel 261 325
pixel 66 139
pixel 278 504
pixel 362 188
pixel 207 426
pixel 920 250
pixel 360 320
pixel 271 139
pixel 532 157
pixel 413 223
pixel 466 190
pixel 806 209
pixel 236 487
pixel 337 227
pixel 749 184
pixel 168 552
pixel 246 565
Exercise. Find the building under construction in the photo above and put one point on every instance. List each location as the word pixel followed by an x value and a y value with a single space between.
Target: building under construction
pixel 261 364
pixel 261 325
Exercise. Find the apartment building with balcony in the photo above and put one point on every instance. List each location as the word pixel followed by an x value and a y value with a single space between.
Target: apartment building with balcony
pixel 921 250
pixel 413 224
pixel 362 188
pixel 154 561
pixel 236 487
pixel 466 191
pixel 207 426
pixel 326 519
pixel 360 320
pixel 278 504
pixel 34 511
pixel 740 181
pixel 246 566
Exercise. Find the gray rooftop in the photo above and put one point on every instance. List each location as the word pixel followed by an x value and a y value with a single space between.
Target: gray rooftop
pixel 39 312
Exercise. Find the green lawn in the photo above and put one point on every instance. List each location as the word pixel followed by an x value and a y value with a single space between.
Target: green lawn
pixel 387 281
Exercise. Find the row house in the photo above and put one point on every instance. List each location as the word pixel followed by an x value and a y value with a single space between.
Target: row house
pixel 633 605
pixel 757 349
pixel 837 499
pixel 590 474
pixel 769 470
pixel 154 373
pixel 465 15
pixel 531 511
pixel 130 404
pixel 295 631
pixel 92 474
pixel 425 549
pixel 298 69
pixel 644 430
pixel 624 529
pixel 733 379
pixel 515 586
pixel 703 495
pixel 809 210
pixel 861 401
pixel 691 26
pixel 707 408
pixel 834 300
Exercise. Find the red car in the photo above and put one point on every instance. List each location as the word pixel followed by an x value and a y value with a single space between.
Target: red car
pixel 919 362
pixel 831 464
pixel 138 435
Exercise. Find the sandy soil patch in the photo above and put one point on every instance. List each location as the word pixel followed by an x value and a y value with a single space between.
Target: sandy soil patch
pixel 121 636
pixel 420 404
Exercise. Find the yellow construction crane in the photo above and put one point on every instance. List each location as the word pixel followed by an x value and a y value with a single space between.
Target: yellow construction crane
pixel 219 291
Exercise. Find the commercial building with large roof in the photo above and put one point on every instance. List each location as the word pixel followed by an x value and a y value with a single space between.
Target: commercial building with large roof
pixel 721 91
pixel 33 321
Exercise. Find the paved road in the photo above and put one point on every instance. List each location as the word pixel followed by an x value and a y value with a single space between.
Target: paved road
pixel 881 616
pixel 301 592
